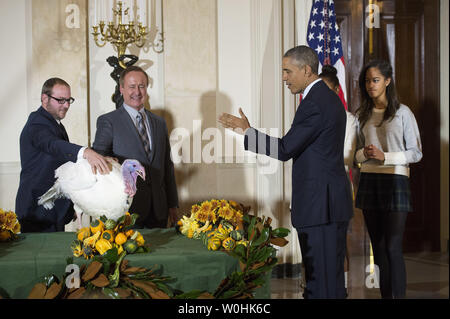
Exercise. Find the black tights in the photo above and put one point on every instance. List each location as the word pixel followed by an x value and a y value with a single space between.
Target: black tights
pixel 386 234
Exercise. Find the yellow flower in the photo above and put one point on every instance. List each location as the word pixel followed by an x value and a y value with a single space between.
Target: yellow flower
pixel 4 235
pixel 212 217
pixel 2 218
pixel 195 209
pixel 238 216
pixel 202 216
pixel 214 204
pixel 226 212
pixel 206 206
pixel 233 203
pixel 223 203
pixel 16 228
pixel 140 239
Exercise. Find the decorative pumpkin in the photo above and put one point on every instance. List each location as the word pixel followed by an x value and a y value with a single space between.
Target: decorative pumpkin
pixel 226 225
pixel 110 224
pixel 121 238
pixel 214 243
pixel 140 240
pixel 108 235
pixel 97 225
pixel 229 243
pixel 204 238
pixel 83 233
pixel 102 246
pixel 88 252
pixel 242 242
pixel 130 246
pixel 221 233
pixel 76 248
pixel 236 235
pixel 90 241
pixel 119 248
pixel 129 233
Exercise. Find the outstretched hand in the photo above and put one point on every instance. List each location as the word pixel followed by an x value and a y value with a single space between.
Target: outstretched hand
pixel 237 124
pixel 98 162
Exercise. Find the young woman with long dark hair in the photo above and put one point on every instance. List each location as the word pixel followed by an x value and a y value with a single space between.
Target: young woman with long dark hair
pixel 388 141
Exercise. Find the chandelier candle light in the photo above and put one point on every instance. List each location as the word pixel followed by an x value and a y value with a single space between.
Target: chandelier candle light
pixel 120 28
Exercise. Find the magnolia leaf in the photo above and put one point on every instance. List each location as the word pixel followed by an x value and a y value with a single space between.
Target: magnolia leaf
pixel 121 220
pixel 259 225
pixel 263 237
pixel 92 270
pixel 142 249
pixel 111 255
pixel 268 222
pixel 280 232
pixel 4 294
pixel 49 280
pixel 121 292
pixel 279 241
pixel 100 281
pixel 130 221
pixel 165 289
pixel 77 294
pixel 115 293
pixel 38 291
pixel 53 291
pixel 194 294
pixel 205 295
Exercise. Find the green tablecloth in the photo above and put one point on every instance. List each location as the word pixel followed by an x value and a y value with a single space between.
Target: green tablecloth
pixel 24 262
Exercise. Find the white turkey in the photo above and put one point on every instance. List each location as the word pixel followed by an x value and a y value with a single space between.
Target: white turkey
pixel 95 195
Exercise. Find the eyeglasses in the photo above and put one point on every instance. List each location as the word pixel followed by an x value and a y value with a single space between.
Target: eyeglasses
pixel 70 100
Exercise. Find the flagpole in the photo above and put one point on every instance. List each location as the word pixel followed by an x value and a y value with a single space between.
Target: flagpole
pixel 371 31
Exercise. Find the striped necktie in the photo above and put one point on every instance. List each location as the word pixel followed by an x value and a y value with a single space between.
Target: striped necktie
pixel 140 118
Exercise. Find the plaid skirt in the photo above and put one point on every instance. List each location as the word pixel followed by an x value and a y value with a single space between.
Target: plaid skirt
pixel 384 192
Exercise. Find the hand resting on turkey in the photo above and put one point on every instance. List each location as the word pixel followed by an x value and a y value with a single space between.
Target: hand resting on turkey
pixel 95 195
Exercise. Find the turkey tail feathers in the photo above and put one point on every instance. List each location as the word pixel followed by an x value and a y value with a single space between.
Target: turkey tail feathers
pixel 48 199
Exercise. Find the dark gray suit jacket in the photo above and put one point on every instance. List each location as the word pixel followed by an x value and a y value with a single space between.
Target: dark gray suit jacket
pixel 117 136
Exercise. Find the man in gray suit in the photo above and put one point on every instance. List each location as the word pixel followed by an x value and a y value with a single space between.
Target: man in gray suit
pixel 133 132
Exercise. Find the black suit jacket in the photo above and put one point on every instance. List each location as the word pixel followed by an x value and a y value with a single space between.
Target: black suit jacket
pixel 117 136
pixel 44 146
pixel 315 142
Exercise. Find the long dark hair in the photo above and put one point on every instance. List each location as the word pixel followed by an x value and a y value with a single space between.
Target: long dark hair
pixel 365 110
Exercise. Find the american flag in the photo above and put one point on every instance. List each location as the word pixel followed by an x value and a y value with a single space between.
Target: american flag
pixel 323 36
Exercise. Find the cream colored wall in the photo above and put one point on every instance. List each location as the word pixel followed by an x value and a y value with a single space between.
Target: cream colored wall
pixel 13 94
pixel 444 124
pixel 190 91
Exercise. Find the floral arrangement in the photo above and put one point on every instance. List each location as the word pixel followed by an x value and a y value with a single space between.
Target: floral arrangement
pixel 214 221
pixel 105 234
pixel 218 223
pixel 9 225
pixel 225 224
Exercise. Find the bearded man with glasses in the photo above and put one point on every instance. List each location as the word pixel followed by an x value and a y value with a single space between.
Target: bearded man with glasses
pixel 44 146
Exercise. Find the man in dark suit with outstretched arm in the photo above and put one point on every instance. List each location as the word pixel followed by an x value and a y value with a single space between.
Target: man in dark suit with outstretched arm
pixel 44 146
pixel 321 200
